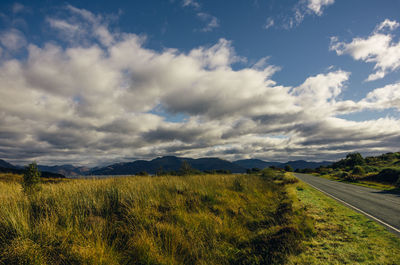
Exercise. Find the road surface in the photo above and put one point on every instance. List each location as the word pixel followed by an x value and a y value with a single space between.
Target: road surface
pixel 381 206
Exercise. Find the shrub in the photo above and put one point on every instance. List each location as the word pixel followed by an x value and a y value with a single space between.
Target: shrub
pixel 350 161
pixel 390 175
pixel 369 169
pixel 342 174
pixel 351 178
pixel 358 170
pixel 268 173
pixel 288 168
pixel 31 178
pixel 398 183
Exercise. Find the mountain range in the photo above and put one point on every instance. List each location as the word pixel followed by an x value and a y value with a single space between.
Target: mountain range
pixel 166 163
pixel 66 170
pixel 6 167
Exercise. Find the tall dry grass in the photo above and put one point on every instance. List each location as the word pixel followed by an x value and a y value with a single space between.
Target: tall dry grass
pixel 202 219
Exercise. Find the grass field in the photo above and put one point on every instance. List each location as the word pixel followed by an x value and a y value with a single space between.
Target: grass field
pixel 203 219
pixel 343 236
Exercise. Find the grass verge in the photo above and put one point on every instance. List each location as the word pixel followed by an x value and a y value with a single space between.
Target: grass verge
pixel 343 236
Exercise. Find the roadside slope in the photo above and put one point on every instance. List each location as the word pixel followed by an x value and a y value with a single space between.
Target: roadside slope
pixel 383 206
pixel 343 236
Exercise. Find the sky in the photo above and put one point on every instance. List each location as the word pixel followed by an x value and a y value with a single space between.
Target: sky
pixel 95 82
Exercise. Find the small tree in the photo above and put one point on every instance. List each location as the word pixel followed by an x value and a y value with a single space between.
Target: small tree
pixel 31 178
pixel 354 159
pixel 288 168
pixel 185 169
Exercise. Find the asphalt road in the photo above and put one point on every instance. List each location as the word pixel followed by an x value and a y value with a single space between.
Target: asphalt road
pixel 381 206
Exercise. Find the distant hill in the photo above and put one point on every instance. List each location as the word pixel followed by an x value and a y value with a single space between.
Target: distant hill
pixel 66 170
pixel 44 174
pixel 5 164
pixel 168 163
pixel 6 167
pixel 301 164
pixel 256 163
pixel 297 164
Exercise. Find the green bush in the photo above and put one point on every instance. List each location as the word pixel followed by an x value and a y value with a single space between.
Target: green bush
pixel 268 173
pixel 390 175
pixel 350 177
pixel 31 178
pixel 358 170
pixel 289 168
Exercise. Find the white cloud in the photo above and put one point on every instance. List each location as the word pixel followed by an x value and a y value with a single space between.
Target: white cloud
pixel 317 6
pixel 81 24
pixel 383 98
pixel 212 22
pixel 378 48
pixel 69 29
pixel 12 39
pixel 192 3
pixel 387 23
pixel 94 100
pixel 270 23
pixel 318 93
pixel 305 8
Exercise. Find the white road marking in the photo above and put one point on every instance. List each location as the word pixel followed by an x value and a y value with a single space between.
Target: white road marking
pixel 357 209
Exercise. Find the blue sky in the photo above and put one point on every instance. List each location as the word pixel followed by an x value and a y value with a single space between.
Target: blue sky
pixel 101 81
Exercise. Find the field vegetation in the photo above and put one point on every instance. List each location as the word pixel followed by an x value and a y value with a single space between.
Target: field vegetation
pixel 381 172
pixel 343 236
pixel 191 219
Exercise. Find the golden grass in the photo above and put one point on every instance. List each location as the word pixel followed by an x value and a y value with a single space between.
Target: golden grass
pixel 203 219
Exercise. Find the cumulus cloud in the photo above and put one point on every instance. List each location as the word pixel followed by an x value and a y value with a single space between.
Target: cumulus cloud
pixel 378 48
pixel 12 39
pixel 383 98
pixel 318 93
pixel 95 101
